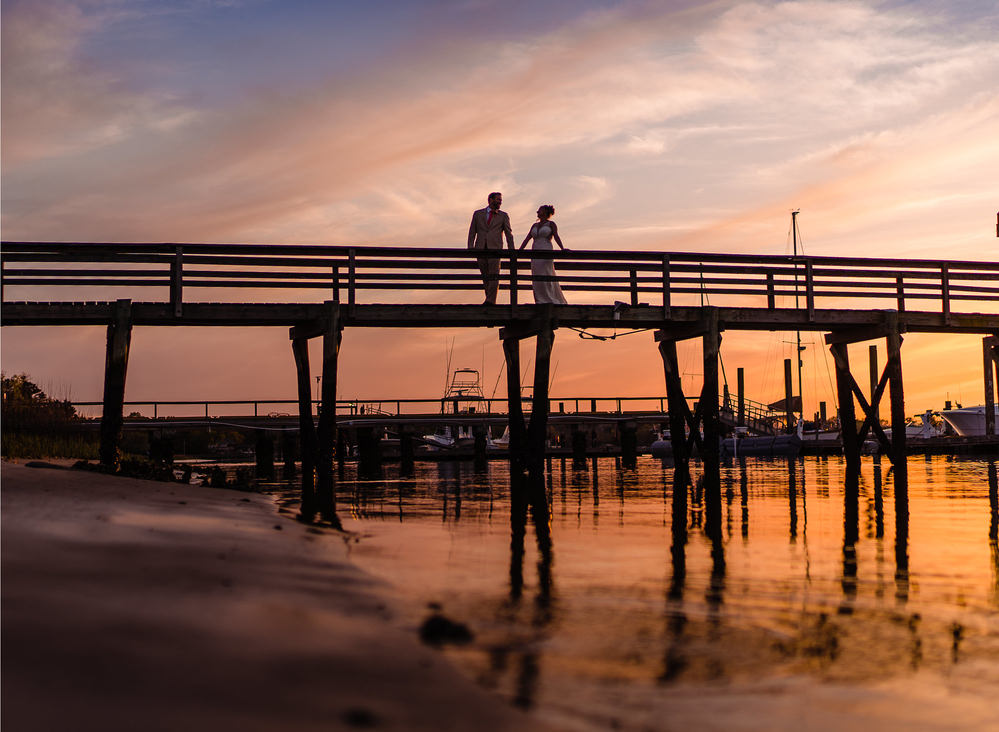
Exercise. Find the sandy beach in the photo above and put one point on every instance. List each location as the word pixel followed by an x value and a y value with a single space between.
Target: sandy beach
pixel 130 604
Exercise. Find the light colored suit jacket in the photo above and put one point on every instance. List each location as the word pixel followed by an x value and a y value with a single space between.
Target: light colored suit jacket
pixel 483 236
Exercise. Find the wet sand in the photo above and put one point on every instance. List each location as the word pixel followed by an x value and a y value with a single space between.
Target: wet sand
pixel 130 604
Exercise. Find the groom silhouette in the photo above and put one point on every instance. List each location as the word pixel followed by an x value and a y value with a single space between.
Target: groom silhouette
pixel 486 232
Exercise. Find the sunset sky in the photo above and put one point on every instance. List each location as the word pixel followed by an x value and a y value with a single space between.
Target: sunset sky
pixel 673 126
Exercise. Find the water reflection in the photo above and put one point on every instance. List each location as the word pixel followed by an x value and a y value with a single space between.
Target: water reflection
pixel 674 659
pixel 691 603
pixel 529 497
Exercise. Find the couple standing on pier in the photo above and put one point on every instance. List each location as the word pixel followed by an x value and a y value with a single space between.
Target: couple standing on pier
pixel 490 225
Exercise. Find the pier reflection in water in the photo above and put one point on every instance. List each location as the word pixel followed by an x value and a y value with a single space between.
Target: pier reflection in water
pixel 808 577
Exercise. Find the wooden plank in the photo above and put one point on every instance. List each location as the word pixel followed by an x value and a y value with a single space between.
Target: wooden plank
pixel 457 315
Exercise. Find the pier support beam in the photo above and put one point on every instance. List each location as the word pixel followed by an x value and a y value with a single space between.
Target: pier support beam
pixel 119 338
pixel 406 455
pixel 527 442
pixel 326 433
pixel 847 414
pixel 706 414
pixel 893 370
pixel 537 429
pixel 318 445
pixel 627 433
pixel 369 453
pixel 847 389
pixel 708 403
pixel 515 405
pixel 990 354
pixel 306 427
pixel 264 454
pixel 578 448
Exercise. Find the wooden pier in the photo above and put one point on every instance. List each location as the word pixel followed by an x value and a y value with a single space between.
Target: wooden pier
pixel 318 291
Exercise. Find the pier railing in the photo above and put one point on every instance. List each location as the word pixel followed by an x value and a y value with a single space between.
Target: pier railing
pixel 169 272
pixel 757 416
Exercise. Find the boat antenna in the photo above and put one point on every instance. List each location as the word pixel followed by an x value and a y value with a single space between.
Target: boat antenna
pixel 447 364
pixel 498 377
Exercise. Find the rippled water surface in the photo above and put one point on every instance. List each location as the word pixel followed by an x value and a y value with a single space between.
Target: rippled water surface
pixel 803 614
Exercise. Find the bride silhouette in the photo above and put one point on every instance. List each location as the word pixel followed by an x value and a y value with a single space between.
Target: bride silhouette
pixel 543 279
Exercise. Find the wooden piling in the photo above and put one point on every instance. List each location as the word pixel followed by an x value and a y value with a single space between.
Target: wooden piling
pixel 896 393
pixel 326 433
pixel 406 455
pixel 627 433
pixel 847 413
pixel 306 427
pixel 264 454
pixel 369 453
pixel 119 338
pixel 578 448
pixel 537 431
pixel 990 362
pixel 515 406
pixel 676 405
pixel 711 341
pixel 479 433
pixel 872 354
pixel 289 451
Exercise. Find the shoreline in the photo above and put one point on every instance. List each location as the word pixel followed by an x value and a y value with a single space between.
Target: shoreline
pixel 131 603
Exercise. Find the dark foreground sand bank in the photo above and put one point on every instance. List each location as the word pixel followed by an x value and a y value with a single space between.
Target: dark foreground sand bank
pixel 130 604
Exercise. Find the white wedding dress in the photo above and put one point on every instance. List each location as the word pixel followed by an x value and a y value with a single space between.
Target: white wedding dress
pixel 546 288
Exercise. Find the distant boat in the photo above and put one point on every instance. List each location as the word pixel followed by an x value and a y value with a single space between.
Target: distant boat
pixel 463 394
pixel 756 445
pixel 968 421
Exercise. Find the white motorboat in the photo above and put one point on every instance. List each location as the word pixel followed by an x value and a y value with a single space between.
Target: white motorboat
pixel 968 421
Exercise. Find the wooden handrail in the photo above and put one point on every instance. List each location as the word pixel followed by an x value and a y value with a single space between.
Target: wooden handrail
pixel 630 274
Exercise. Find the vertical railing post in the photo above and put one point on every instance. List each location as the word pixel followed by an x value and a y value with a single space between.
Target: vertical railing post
pixel 336 284
pixel 351 277
pixel 900 293
pixel 633 283
pixel 945 292
pixel 513 277
pixel 771 302
pixel 177 282
pixel 667 295
pixel 809 291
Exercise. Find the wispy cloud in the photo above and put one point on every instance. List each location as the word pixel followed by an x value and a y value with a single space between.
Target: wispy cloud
pixel 647 126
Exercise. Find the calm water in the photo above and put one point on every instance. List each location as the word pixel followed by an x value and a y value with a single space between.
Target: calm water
pixel 628 616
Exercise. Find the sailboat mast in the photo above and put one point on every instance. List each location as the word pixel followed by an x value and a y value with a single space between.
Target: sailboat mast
pixel 794 237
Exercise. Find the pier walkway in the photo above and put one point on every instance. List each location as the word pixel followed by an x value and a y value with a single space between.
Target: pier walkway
pixel 317 291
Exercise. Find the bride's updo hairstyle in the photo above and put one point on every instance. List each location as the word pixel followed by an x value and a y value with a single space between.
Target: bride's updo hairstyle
pixel 549 208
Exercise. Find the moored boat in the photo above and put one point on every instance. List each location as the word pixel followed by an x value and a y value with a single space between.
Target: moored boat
pixel 968 421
